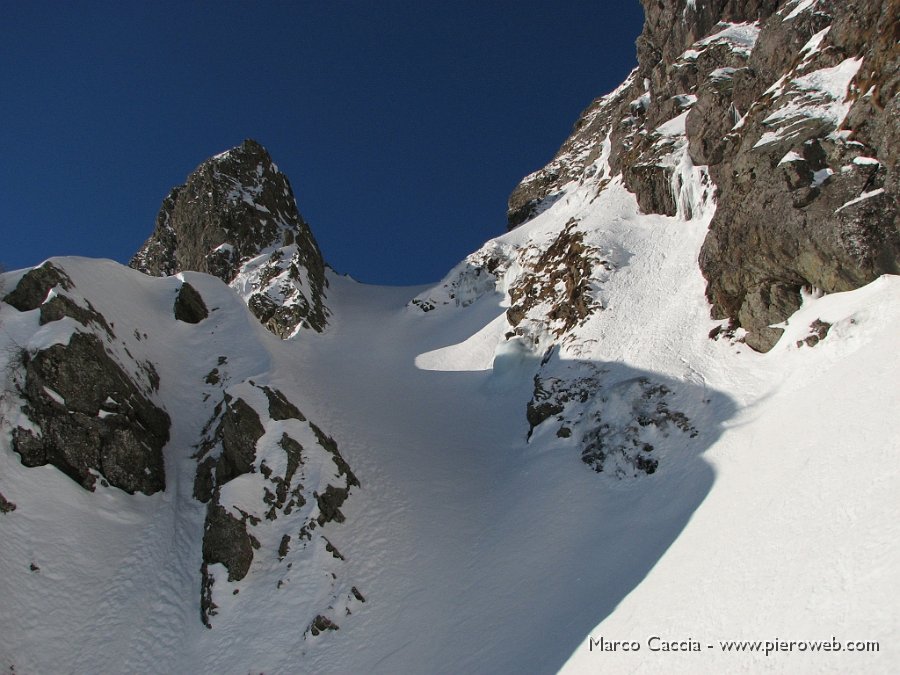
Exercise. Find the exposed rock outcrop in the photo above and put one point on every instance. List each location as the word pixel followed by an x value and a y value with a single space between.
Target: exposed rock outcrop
pixel 33 288
pixel 321 624
pixel 87 416
pixel 477 275
pixel 793 107
pixel 236 218
pixel 617 424
pixel 189 305
pixel 284 479
pixel 82 393
pixel 90 418
pixel 226 541
pixel 770 122
pixel 6 506
pixel 818 330
pixel 552 287
pixel 554 293
pixel 808 179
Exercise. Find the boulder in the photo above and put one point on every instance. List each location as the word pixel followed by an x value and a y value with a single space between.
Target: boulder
pixel 89 418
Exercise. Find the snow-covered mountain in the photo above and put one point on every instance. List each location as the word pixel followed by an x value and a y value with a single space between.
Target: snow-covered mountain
pixel 230 459
pixel 236 218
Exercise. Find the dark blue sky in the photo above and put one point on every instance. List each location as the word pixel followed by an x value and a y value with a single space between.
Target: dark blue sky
pixel 402 125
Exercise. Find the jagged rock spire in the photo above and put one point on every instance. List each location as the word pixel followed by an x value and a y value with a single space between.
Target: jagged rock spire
pixel 236 218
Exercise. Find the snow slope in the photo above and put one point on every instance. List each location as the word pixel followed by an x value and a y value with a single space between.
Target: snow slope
pixel 477 549
pixel 797 540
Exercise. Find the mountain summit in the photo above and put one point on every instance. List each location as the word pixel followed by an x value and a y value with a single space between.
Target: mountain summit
pixel 236 218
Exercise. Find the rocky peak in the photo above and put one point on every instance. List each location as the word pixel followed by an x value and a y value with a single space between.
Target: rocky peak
pixel 236 218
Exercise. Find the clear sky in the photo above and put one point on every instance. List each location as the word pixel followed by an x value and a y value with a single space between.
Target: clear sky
pixel 403 125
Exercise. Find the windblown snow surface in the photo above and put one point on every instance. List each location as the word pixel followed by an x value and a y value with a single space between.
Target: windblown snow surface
pixel 477 549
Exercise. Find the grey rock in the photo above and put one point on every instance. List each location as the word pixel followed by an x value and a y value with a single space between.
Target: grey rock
pixel 321 624
pixel 330 503
pixel 330 446
pixel 226 541
pixel 652 185
pixel 189 305
pixel 280 408
pixel 61 306
pixel 567 263
pixel 6 506
pixel 539 409
pixel 332 549
pixel 204 480
pixel 86 434
pixel 826 220
pixel 818 331
pixel 238 428
pixel 284 547
pixel 539 190
pixel 33 288
pixel 611 424
pixel 207 606
pixel 671 26
pixel 654 93
pixel 238 432
pixel 229 451
pixel 232 208
pixel 767 304
pixel 158 256
pixel 777 226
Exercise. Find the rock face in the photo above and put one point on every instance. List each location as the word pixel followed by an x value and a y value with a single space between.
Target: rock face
pixel 236 218
pixel 6 506
pixel 82 393
pixel 551 286
pixel 189 305
pixel 580 403
pixel 792 109
pixel 260 444
pixel 87 416
pixel 33 288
